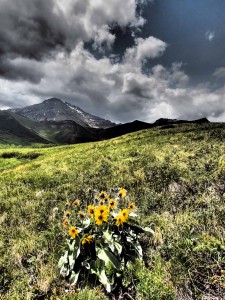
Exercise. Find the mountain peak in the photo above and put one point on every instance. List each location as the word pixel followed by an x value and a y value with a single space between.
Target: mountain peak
pixel 56 100
pixel 55 109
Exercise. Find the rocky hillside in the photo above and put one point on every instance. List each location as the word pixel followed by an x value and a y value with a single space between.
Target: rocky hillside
pixel 56 110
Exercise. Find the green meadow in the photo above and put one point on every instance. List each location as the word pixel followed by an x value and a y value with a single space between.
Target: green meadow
pixel 175 176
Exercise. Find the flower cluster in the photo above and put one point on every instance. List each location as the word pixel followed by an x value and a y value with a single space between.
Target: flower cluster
pixel 101 234
pixel 111 208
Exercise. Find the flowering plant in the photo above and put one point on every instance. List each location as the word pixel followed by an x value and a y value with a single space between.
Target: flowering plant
pixel 102 237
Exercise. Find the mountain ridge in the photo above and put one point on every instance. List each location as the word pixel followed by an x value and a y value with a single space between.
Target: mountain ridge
pixel 55 109
pixel 13 132
pixel 41 125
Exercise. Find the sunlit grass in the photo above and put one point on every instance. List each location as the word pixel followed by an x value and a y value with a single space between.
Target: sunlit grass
pixel 176 176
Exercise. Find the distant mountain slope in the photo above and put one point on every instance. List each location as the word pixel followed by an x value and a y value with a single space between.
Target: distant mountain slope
pixel 163 121
pixel 17 129
pixel 61 132
pixel 56 110
pixel 13 132
pixel 121 129
pixel 136 125
pixel 67 132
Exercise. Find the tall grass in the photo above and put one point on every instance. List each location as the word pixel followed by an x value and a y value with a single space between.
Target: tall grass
pixel 175 175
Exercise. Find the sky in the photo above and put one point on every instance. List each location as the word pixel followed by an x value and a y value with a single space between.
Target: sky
pixel 120 60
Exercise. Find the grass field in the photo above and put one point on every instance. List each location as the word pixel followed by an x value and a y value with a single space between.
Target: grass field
pixel 175 175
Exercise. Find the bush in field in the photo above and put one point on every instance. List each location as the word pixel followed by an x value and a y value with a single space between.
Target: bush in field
pixel 103 238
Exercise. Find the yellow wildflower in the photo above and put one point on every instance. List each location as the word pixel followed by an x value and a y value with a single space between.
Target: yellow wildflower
pixel 67 204
pixel 102 209
pixel 101 202
pixel 76 202
pixel 122 193
pixel 87 240
pixel 65 222
pixel 131 206
pixel 124 214
pixel 119 220
pixel 112 204
pixel 91 209
pixel 81 214
pixel 106 200
pixel 73 232
pixel 102 195
pixel 101 215
pixel 100 218
pixel 67 214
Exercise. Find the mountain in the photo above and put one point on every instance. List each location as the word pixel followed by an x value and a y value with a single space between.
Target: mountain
pixel 164 121
pixel 13 132
pixel 58 122
pixel 66 132
pixel 59 132
pixel 136 125
pixel 122 129
pixel 56 110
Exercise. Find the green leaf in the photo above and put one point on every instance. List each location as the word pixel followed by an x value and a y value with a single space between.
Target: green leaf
pixel 71 244
pixel 129 239
pixel 86 222
pixel 77 247
pixel 148 230
pixel 86 265
pixel 71 261
pixel 63 260
pixel 74 277
pixel 97 267
pixel 107 235
pixel 132 215
pixel 108 238
pixel 118 247
pixel 138 249
pixel 104 280
pixel 65 270
pixel 108 257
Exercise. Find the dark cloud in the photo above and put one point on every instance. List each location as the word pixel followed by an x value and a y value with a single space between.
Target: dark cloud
pixel 30 28
pixel 35 28
pixel 39 29
pixel 20 70
pixel 95 55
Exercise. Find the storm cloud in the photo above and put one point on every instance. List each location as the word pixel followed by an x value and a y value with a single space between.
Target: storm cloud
pixel 34 29
pixel 44 53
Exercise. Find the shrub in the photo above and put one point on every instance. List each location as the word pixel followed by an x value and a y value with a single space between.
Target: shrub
pixel 103 238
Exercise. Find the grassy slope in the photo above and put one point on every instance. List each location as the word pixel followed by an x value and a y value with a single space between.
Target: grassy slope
pixel 13 132
pixel 176 176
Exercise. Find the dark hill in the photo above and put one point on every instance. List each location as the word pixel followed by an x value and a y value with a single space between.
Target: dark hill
pixel 17 129
pixel 12 132
pixel 136 125
pixel 164 121
pixel 69 132
pixel 123 129
pixel 61 132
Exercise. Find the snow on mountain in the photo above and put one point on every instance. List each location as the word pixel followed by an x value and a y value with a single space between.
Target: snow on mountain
pixel 56 110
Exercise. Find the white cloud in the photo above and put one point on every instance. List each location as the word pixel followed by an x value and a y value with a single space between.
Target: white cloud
pixel 209 35
pixel 88 19
pixel 44 26
pixel 118 91
pixel 144 49
pixel 219 72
